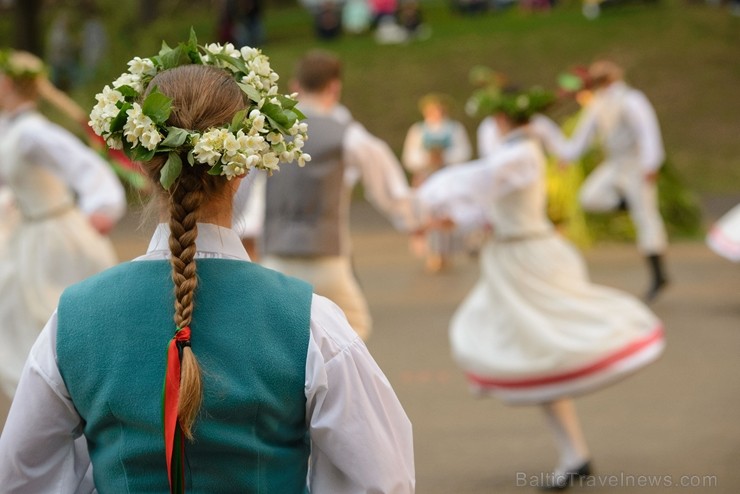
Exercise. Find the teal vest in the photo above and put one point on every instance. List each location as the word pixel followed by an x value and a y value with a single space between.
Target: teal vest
pixel 250 333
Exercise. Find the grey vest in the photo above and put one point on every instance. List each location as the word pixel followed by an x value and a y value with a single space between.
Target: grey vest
pixel 303 205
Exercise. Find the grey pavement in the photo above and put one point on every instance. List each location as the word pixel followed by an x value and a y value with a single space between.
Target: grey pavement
pixel 674 427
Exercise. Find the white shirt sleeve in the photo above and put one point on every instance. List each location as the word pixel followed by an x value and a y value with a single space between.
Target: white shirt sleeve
pixel 641 115
pixel 96 185
pixel 555 141
pixel 386 187
pixel 463 193
pixel 361 437
pixel 41 448
pixel 488 137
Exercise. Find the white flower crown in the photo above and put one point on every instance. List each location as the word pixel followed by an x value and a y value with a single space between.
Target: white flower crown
pixel 256 137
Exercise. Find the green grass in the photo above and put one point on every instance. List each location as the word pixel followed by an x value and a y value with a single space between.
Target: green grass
pixel 683 55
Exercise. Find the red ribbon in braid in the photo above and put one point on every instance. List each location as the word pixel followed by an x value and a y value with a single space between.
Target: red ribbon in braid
pixel 173 438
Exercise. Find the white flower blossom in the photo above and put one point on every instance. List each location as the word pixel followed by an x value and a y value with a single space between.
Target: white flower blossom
pixel 150 138
pixel 114 143
pixel 131 80
pixel 141 67
pixel 232 169
pixel 249 53
pixel 270 161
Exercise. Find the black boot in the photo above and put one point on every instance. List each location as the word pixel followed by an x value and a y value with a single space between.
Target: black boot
pixel 659 280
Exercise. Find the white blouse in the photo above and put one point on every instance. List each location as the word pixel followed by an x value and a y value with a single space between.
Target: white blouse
pixel 361 438
pixel 45 143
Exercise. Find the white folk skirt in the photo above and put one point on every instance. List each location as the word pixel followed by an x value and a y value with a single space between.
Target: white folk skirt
pixel 724 236
pixel 37 262
pixel 535 329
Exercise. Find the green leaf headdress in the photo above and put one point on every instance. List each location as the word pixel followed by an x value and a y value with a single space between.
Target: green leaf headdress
pixel 269 131
pixel 21 65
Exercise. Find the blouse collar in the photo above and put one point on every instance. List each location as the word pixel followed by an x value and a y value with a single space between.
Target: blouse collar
pixel 212 239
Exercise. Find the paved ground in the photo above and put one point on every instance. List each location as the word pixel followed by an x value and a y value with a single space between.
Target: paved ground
pixel 676 422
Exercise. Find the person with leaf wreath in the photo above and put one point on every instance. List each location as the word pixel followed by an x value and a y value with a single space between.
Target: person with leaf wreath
pixel 306 230
pixel 191 369
pixel 534 330
pixel 63 200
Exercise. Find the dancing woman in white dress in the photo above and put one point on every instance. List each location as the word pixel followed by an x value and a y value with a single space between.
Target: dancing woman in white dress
pixel 534 330
pixel 66 198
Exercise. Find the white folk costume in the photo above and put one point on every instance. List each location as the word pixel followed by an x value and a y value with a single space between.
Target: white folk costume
pixel 451 140
pixel 38 448
pixel 534 329
pixel 448 135
pixel 724 236
pixel 306 232
pixel 56 181
pixel 623 121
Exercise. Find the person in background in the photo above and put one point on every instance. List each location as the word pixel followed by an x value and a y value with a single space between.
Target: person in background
pixel 67 200
pixel 306 232
pixel 266 386
pixel 622 120
pixel 241 23
pixel 534 330
pixel 435 142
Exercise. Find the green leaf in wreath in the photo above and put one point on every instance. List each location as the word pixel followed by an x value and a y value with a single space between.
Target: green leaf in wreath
pixel 237 63
pixel 157 106
pixel 215 169
pixel 171 170
pixel 140 153
pixel 117 123
pixel 286 102
pixel 176 137
pixel 251 92
pixel 174 58
pixel 238 121
pixel 276 116
pixel 127 91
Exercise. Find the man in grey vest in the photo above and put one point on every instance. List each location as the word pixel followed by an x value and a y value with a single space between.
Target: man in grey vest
pixel 622 120
pixel 306 229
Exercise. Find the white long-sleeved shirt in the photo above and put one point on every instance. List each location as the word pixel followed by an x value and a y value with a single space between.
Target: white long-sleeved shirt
pixel 465 193
pixel 616 101
pixel 96 186
pixel 361 438
pixel 488 137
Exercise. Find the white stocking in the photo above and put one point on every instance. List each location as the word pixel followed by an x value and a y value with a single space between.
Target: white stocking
pixel 566 429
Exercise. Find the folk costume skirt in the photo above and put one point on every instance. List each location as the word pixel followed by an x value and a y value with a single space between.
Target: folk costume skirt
pixel 535 329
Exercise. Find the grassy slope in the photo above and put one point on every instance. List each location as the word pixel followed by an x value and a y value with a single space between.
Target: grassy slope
pixel 684 56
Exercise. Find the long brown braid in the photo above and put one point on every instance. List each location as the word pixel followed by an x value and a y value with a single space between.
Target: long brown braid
pixel 203 97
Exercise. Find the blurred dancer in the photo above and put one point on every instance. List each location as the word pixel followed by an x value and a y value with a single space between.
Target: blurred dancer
pixel 67 199
pixel 534 330
pixel 306 232
pixel 430 145
pixel 624 123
